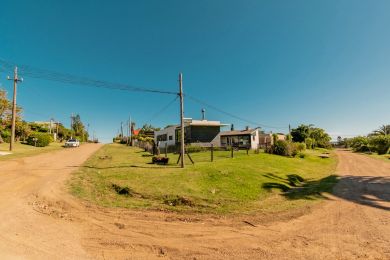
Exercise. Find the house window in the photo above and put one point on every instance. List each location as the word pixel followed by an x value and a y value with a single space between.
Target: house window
pixel 162 137
pixel 170 137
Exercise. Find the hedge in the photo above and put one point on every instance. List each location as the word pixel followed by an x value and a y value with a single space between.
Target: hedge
pixel 42 139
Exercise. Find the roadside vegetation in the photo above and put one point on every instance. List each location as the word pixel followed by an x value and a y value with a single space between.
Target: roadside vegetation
pixel 301 138
pixel 122 176
pixel 376 144
pixel 34 134
pixel 22 150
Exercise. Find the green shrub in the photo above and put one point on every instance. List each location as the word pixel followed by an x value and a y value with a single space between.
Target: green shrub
pixel 359 144
pixel 379 144
pixel 300 147
pixel 42 139
pixel 301 155
pixel 284 148
pixel 6 135
pixel 195 149
pixel 309 143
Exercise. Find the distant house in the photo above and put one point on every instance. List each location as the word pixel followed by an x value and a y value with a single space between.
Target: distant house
pixel 197 132
pixel 47 124
pixel 135 132
pixel 266 140
pixel 248 138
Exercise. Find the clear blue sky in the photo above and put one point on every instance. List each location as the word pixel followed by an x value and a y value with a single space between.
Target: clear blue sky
pixel 273 62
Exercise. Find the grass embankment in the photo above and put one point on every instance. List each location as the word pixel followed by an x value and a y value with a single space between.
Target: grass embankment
pixel 23 150
pixel 120 176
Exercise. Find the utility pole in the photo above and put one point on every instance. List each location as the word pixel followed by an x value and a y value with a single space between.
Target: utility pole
pixel 16 80
pixel 121 130
pixel 51 126
pixel 88 132
pixel 58 123
pixel 128 131
pixel 181 119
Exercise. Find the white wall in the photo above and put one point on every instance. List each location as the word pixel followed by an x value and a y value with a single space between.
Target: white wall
pixel 255 142
pixel 169 131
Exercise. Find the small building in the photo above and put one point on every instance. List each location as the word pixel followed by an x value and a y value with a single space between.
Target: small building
pixel 197 132
pixel 267 139
pixel 248 138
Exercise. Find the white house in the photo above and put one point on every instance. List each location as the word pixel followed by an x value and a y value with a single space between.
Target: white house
pixel 197 132
pixel 248 138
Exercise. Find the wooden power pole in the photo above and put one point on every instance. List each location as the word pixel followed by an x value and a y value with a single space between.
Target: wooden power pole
pixel 182 152
pixel 16 80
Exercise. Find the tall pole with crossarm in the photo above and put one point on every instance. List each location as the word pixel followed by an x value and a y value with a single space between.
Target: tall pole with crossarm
pixel 16 80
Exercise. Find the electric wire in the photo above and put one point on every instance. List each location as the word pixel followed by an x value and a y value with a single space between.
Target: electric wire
pixel 76 80
pixel 162 110
pixel 72 79
pixel 230 114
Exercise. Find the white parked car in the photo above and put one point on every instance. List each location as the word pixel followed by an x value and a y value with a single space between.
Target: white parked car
pixel 72 143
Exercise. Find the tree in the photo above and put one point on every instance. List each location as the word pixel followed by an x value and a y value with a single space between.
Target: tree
pixel 78 128
pixel 6 115
pixel 22 130
pixel 312 136
pixel 320 137
pixel 63 132
pixel 149 127
pixel 382 130
pixel 300 133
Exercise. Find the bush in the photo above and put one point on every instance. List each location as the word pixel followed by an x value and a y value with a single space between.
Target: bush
pixel 284 148
pixel 379 144
pixel 359 144
pixel 42 139
pixel 6 136
pixel 309 143
pixel 300 147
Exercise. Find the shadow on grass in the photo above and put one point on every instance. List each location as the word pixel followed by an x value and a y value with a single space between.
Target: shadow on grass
pixel 296 187
pixel 127 166
pixel 364 190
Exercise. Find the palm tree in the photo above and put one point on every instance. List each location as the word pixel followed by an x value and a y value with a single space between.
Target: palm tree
pixel 383 130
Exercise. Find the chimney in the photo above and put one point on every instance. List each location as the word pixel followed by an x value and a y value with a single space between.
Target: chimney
pixel 232 127
pixel 247 128
pixel 203 114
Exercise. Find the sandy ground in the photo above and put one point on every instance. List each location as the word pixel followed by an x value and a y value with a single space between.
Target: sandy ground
pixel 40 220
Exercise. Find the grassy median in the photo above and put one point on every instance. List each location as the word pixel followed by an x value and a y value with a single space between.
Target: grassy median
pixel 120 176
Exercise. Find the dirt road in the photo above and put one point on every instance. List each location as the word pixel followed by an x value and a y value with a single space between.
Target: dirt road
pixel 40 220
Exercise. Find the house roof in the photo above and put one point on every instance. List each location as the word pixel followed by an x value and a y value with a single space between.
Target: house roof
pixel 136 131
pixel 204 123
pixel 238 132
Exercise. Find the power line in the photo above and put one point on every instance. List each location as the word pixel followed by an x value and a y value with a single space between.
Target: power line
pixel 77 80
pixel 163 109
pixel 230 114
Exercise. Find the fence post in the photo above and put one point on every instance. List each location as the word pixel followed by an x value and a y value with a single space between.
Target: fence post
pixel 212 152
pixel 232 152
pixel 247 151
pixel 166 150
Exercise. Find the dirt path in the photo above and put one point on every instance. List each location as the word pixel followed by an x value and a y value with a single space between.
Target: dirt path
pixel 39 220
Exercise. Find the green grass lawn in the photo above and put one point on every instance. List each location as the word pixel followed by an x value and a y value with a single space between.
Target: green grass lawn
pixel 385 157
pixel 22 150
pixel 120 176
